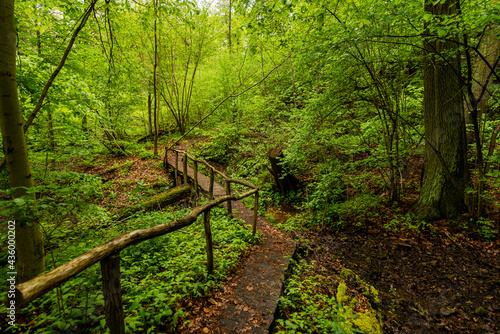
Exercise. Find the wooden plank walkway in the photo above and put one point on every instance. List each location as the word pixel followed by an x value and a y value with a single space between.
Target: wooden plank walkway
pixel 249 300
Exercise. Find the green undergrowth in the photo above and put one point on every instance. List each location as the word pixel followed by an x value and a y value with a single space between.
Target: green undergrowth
pixel 156 275
pixel 317 302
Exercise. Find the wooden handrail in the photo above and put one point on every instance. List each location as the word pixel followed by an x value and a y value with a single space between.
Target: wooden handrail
pixel 225 177
pixel 227 180
pixel 28 291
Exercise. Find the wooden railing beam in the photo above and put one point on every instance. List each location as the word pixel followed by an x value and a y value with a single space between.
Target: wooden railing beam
pixel 185 167
pixel 176 173
pixel 196 179
pixel 211 185
pixel 228 193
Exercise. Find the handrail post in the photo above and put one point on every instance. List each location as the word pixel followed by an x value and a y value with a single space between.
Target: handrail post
pixel 176 167
pixel 196 178
pixel 211 186
pixel 185 167
pixel 228 192
pixel 208 237
pixel 255 213
pixel 113 307
pixel 165 161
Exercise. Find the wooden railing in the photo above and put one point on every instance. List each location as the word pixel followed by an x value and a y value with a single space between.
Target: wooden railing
pixel 108 254
pixel 213 171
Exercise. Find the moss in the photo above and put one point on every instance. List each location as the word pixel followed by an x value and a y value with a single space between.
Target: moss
pixel 341 293
pixel 346 273
pixel 374 295
pixel 368 321
pixel 481 311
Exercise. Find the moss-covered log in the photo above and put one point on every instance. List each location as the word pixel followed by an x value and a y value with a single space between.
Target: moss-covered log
pixel 161 200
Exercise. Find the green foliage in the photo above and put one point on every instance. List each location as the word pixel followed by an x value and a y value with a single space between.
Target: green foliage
pixel 407 222
pixel 156 274
pixel 300 222
pixel 221 147
pixel 59 196
pixel 486 228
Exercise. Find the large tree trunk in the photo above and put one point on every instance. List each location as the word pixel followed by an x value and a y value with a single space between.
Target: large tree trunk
pixel 29 238
pixel 445 174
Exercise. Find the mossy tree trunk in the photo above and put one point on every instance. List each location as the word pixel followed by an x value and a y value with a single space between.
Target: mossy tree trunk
pixel 29 238
pixel 445 174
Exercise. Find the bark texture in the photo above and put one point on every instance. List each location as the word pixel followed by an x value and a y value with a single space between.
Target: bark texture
pixel 29 238
pixel 445 174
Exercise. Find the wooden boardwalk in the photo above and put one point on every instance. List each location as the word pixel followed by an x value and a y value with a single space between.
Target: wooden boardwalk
pixel 249 300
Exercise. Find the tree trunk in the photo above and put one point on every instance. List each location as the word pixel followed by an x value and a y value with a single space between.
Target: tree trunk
pixel 29 238
pixel 155 86
pixel 229 25
pixel 150 123
pixel 50 124
pixel 445 174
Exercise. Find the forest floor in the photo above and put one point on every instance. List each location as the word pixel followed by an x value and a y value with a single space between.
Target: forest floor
pixel 444 279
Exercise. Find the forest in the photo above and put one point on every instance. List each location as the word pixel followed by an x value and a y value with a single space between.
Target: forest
pixel 250 166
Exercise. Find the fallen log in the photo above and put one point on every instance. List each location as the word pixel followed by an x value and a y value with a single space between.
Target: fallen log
pixel 161 200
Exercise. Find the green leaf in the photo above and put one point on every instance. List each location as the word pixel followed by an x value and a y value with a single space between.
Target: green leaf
pixel 428 17
pixel 19 201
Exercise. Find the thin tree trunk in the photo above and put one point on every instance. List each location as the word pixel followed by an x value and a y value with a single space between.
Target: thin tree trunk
pixel 262 68
pixel 29 239
pixel 50 124
pixel 155 84
pixel 229 30
pixel 150 122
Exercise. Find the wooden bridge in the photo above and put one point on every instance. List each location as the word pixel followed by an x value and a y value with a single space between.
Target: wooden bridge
pixel 254 297
pixel 261 277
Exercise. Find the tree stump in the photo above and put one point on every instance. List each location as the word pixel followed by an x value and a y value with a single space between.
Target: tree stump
pixel 285 182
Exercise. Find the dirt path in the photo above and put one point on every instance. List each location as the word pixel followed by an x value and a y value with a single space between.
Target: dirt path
pixel 248 301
